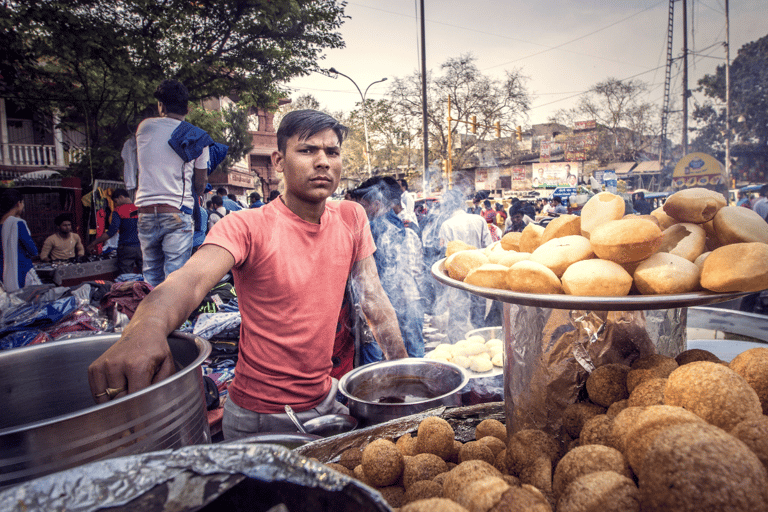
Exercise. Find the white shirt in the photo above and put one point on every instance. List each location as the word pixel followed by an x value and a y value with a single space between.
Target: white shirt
pixel 164 178
pixel 467 227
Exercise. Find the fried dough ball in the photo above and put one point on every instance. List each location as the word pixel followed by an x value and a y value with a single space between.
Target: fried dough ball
pixel 501 462
pixel 394 495
pixel 583 460
pixel 649 392
pixel 597 430
pixel 480 364
pixel 713 392
pixel 637 377
pixel 341 469
pixel 360 475
pixel 459 264
pixel 441 478
pixel 524 498
pixel 710 469
pixel 433 505
pixel 659 366
pixel 696 354
pixel 511 241
pixel 525 446
pixel 538 474
pixel 481 495
pixel 576 414
pixel 407 445
pixel 464 474
pixel 455 246
pixel 608 384
pixel 616 408
pixel 602 491
pixel 647 426
pixel 453 458
pixel 752 364
pixel 351 457
pixel 424 466
pixel 622 423
pixel 422 490
pixel 491 427
pixel 495 444
pixel 435 435
pixel 382 462
pixel 754 433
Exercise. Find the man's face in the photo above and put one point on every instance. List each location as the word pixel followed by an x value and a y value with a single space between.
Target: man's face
pixel 311 167
pixel 65 227
pixel 517 219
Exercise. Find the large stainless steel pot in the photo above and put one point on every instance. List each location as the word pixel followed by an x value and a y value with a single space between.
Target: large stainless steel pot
pixel 50 422
pixel 388 390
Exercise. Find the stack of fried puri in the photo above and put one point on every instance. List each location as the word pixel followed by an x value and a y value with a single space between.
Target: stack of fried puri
pixel 694 242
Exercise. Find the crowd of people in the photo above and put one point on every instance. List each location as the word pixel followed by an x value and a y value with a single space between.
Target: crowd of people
pixel 295 261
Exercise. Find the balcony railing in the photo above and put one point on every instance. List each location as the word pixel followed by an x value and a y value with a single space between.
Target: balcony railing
pixel 36 155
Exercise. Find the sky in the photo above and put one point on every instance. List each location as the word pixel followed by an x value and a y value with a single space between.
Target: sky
pixel 564 47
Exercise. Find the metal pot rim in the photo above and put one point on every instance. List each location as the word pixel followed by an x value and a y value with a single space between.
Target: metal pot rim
pixel 204 350
pixel 344 381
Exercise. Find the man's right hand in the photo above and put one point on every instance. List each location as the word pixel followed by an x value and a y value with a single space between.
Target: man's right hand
pixel 136 361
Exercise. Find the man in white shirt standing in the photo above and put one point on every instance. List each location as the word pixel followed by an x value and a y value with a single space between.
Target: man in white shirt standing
pixel 164 193
pixel 408 213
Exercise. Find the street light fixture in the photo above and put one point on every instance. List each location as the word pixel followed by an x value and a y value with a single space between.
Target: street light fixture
pixel 365 117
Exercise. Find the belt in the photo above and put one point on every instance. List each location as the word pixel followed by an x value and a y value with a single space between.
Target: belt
pixel 158 208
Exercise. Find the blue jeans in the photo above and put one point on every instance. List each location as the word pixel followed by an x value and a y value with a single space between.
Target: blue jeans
pixel 411 322
pixel 166 243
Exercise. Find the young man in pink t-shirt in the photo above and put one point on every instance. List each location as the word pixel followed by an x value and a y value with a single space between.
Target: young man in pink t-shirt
pixel 290 260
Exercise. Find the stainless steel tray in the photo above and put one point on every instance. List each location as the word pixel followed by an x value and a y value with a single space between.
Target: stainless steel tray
pixel 626 303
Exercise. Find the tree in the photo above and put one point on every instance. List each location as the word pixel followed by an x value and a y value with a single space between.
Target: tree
pixel 98 62
pixel 472 94
pixel 628 125
pixel 749 103
pixel 230 124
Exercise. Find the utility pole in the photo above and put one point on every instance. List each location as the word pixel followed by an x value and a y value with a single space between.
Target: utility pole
pixel 728 177
pixel 685 77
pixel 424 120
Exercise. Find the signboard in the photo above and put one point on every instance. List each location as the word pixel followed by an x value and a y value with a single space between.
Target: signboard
pixel 518 173
pixel 698 170
pixel 554 174
pixel 584 125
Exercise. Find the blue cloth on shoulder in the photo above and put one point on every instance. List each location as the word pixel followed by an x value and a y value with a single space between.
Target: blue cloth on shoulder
pixel 188 141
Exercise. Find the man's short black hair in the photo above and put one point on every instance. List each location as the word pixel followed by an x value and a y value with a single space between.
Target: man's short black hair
pixel 274 194
pixel 487 203
pixel 174 96
pixel 9 197
pixel 62 218
pixel 640 195
pixel 379 188
pixel 232 197
pixel 403 183
pixel 221 191
pixel 255 196
pixel 557 200
pixel 305 124
pixel 764 190
pixel 120 192
pixel 217 201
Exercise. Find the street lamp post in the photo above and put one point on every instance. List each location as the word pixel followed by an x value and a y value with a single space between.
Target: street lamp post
pixel 365 117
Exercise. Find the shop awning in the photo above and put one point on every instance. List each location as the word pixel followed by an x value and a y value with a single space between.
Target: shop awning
pixel 623 167
pixel 650 167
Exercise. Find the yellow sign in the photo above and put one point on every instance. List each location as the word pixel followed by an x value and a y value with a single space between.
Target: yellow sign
pixel 698 170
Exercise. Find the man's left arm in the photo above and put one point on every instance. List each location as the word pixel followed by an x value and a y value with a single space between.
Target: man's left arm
pixel 79 249
pixel 377 309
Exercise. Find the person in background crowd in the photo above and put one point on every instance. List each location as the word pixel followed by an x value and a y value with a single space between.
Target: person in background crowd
pixel 398 251
pixel 234 198
pixel 290 262
pixel 476 208
pixel 501 216
pixel 761 205
pixel 124 221
pixel 557 207
pixel 516 224
pixel 229 204
pixel 407 204
pixel 641 206
pixel 164 194
pixel 256 202
pixel 488 213
pixel 217 213
pixel 201 228
pixel 16 245
pixel 64 244
pixel 274 194
pixel 465 311
pixel 743 200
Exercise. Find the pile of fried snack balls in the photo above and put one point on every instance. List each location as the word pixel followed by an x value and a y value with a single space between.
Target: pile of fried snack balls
pixel 694 242
pixel 683 434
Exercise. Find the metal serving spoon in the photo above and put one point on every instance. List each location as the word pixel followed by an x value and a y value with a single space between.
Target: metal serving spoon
pixel 294 419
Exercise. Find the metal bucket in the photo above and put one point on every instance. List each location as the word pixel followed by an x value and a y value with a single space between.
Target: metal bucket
pixel 50 423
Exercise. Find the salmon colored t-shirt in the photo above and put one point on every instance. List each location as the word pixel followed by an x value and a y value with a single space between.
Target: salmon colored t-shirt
pixel 290 277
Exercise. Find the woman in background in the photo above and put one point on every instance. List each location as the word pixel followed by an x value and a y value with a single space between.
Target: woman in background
pixel 16 246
